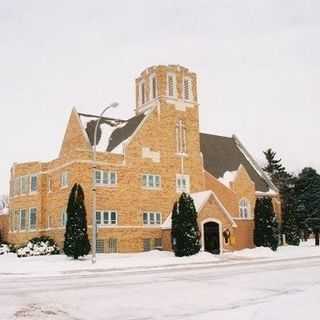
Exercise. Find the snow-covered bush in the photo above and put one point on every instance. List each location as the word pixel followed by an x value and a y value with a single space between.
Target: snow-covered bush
pixel 4 249
pixel 38 247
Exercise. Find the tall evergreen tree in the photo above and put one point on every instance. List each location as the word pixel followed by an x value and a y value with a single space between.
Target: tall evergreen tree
pixel 285 182
pixel 290 222
pixel 185 230
pixel 76 242
pixel 266 230
pixel 308 202
pixel 275 169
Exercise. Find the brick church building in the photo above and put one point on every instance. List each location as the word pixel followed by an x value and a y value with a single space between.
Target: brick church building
pixel 143 164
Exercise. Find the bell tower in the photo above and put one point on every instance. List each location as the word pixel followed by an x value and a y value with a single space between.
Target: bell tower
pixel 172 84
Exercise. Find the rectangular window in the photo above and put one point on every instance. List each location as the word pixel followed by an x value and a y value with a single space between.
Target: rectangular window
pixel 112 245
pixel 152 218
pixel 105 178
pixel 104 218
pixel 146 244
pixel 145 218
pixel 170 86
pixel 100 246
pixel 142 94
pixel 33 183
pixel 187 89
pixel 64 180
pixel 33 218
pixel 158 243
pixel 25 184
pixel 182 183
pixel 17 220
pixel 154 88
pixel 98 217
pixel 23 219
pixel 113 217
pixel 151 181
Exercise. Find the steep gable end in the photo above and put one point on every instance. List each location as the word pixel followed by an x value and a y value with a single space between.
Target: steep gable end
pixel 74 137
pixel 222 154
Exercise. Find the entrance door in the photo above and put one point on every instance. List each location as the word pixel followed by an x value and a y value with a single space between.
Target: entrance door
pixel 212 237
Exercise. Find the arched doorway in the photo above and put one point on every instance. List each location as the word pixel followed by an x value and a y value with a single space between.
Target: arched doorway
pixel 211 237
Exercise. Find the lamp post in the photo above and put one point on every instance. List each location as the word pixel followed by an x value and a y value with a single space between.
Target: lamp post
pixel 94 191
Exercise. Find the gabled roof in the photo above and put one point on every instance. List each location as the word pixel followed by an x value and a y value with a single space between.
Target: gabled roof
pixel 222 154
pixel 112 133
pixel 200 199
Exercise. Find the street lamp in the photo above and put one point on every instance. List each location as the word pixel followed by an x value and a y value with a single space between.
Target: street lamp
pixel 94 191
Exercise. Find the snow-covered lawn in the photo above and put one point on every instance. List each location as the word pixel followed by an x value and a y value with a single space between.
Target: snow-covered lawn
pixel 254 284
pixel 60 264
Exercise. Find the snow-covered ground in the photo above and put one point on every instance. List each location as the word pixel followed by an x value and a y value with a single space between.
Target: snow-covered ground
pixel 250 284
pixel 60 264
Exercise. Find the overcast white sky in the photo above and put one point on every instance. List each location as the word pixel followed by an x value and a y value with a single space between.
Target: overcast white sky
pixel 258 66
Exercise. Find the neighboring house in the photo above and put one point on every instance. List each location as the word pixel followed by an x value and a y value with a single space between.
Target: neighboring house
pixel 4 218
pixel 143 164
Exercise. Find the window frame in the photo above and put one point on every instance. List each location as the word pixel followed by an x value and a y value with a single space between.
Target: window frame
pixel 64 180
pixel 245 209
pixel 174 93
pixel 105 174
pixel 186 178
pixel 31 211
pixel 25 228
pixel 32 176
pixel 155 215
pixel 188 96
pixel 156 181
pixel 106 222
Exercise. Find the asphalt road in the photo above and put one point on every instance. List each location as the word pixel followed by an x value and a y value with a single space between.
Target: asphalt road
pixel 203 291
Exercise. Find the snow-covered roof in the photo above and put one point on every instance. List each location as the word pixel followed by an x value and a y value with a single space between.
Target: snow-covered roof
pixel 228 177
pixel 200 199
pixel 112 134
pixel 225 154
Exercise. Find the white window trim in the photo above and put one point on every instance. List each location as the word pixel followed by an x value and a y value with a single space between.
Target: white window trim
pixel 33 176
pixel 174 84
pixel 142 97
pixel 185 176
pixel 148 218
pixel 21 184
pixel 150 187
pixel 26 219
pixel 151 97
pixel 101 184
pixel 35 227
pixel 247 207
pixel 64 180
pixel 190 89
pixel 107 225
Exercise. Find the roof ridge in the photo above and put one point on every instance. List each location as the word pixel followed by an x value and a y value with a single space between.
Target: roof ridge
pixel 103 118
pixel 215 135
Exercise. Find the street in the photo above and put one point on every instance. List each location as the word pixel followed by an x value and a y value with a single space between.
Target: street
pixel 270 290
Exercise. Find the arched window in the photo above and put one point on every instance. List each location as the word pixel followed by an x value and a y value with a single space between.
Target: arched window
pixel 64 217
pixel 245 209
